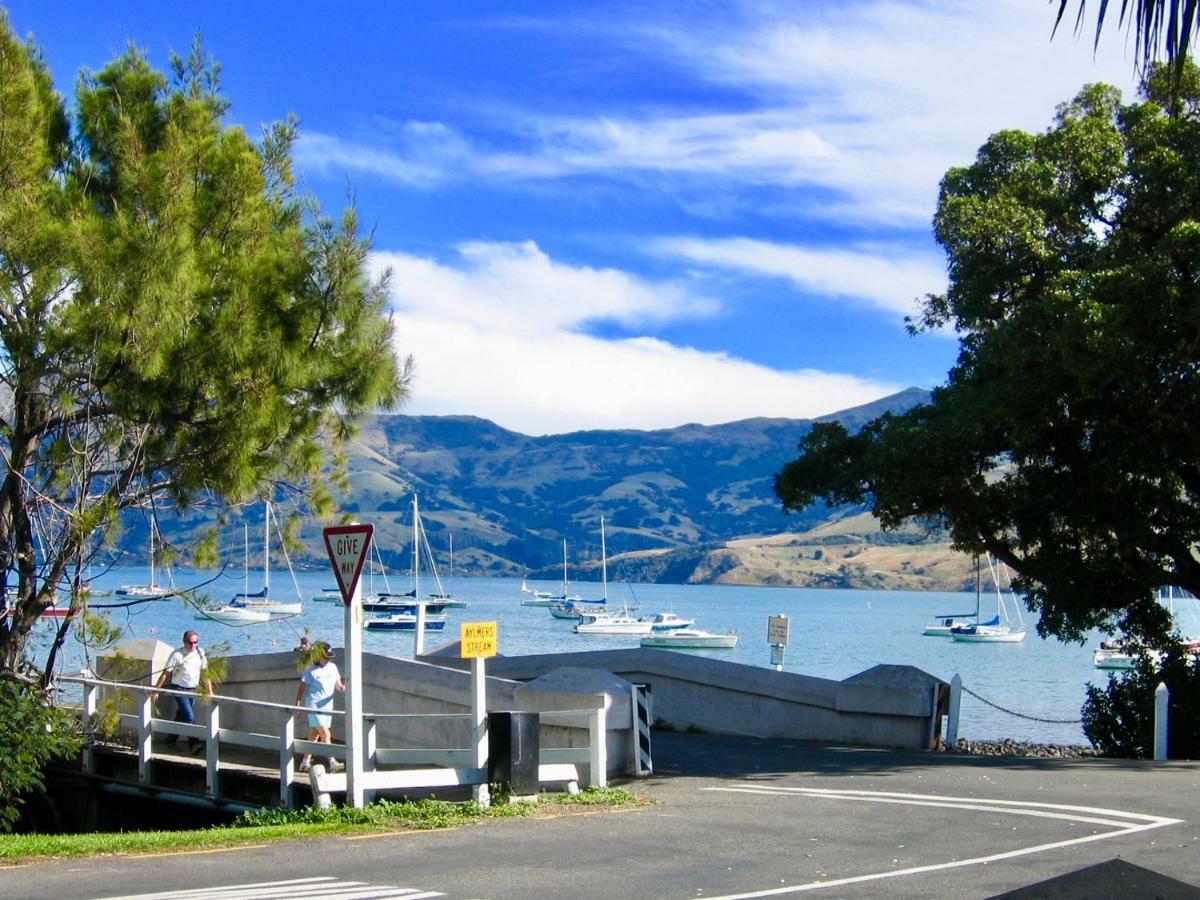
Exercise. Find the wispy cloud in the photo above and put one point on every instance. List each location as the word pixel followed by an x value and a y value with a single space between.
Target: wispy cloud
pixel 496 329
pixel 887 280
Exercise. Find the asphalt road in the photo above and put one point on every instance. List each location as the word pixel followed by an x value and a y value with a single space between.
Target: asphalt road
pixel 735 818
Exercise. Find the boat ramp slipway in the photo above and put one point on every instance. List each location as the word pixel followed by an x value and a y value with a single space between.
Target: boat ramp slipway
pixel 593 713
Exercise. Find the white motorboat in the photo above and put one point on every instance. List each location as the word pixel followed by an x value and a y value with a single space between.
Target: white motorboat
pixel 328 595
pixel 667 621
pixel 619 624
pixel 403 622
pixel 691 639
pixel 537 598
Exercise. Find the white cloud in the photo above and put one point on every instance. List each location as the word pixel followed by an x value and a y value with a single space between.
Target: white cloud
pixel 888 282
pixel 870 101
pixel 497 331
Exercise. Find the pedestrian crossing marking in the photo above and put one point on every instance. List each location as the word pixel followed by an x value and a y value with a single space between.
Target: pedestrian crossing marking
pixel 324 887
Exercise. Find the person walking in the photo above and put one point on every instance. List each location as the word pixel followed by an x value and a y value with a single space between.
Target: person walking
pixel 316 689
pixel 186 670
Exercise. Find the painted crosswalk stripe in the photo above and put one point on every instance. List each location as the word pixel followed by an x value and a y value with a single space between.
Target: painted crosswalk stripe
pixel 323 887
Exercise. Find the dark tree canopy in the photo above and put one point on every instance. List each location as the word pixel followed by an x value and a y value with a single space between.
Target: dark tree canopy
pixel 176 321
pixel 1066 440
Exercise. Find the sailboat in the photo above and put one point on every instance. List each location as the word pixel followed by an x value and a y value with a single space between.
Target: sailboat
pixel 151 590
pixel 406 610
pixel 1000 629
pixel 259 606
pixel 568 606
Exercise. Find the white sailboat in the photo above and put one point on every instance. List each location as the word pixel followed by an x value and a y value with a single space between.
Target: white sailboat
pixel 1003 628
pixel 252 608
pixel 153 589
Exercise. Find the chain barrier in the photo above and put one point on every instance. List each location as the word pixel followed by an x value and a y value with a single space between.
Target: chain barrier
pixel 1013 712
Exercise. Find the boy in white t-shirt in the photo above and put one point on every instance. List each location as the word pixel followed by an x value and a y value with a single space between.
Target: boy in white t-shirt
pixel 316 689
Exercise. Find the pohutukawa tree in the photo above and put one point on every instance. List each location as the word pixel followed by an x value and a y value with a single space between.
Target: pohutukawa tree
pixel 176 321
pixel 1066 440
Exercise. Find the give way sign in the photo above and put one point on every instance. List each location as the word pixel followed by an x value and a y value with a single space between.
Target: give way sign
pixel 347 546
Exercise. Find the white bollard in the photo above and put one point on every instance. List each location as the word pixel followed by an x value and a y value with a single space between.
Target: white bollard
pixel 1161 698
pixel 952 715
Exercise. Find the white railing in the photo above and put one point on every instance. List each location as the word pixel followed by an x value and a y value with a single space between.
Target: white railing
pixel 444 766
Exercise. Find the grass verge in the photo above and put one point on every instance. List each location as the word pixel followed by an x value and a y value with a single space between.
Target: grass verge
pixel 269 825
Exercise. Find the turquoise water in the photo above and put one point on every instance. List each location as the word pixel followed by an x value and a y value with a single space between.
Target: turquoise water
pixel 833 634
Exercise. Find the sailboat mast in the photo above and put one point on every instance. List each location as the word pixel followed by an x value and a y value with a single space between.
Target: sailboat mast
pixel 245 559
pixel 153 583
pixel 564 568
pixel 416 551
pixel 603 560
pixel 267 550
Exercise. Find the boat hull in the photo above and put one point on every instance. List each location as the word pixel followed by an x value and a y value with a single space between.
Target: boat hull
pixel 979 636
pixel 404 622
pixel 691 640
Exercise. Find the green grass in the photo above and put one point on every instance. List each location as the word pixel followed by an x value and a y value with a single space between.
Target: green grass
pixel 281 824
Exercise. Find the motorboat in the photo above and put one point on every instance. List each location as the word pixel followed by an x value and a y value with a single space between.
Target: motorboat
pixel 667 621
pixel 690 639
pixel 328 595
pixel 403 622
pixel 384 602
pixel 618 624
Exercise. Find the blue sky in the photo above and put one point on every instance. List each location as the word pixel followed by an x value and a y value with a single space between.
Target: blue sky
pixel 606 215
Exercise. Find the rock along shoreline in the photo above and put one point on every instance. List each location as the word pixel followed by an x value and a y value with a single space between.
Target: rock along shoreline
pixel 1011 747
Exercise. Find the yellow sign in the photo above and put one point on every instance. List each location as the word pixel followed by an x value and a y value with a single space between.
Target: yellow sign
pixel 478 639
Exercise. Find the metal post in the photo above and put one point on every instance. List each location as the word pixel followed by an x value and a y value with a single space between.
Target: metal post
pixel 354 698
pixel 952 716
pixel 145 736
pixel 287 759
pixel 1161 698
pixel 370 746
pixel 479 734
pixel 212 748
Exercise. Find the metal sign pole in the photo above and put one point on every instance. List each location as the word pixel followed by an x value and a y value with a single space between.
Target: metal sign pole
pixel 354 695
pixel 479 725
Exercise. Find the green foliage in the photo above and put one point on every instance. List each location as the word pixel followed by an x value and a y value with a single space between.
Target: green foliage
pixel 1065 439
pixel 1119 717
pixel 35 732
pixel 177 323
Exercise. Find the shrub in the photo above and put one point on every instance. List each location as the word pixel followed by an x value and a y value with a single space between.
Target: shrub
pixel 1119 718
pixel 35 732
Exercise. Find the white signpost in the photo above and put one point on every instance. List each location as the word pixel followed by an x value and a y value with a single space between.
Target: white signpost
pixel 348 546
pixel 777 637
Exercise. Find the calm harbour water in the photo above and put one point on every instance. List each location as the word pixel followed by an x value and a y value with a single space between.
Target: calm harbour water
pixel 834 634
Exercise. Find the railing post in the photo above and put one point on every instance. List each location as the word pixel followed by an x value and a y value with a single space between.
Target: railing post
pixel 212 746
pixel 90 705
pixel 952 716
pixel 287 759
pixel 598 746
pixel 144 737
pixel 1162 697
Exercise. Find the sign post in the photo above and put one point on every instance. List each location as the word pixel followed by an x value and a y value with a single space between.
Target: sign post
pixel 777 637
pixel 348 546
pixel 477 641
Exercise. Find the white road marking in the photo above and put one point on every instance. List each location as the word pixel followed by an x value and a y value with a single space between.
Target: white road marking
pixel 323 887
pixel 1122 822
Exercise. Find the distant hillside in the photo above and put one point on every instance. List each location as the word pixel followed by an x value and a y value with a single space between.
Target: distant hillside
pixel 693 503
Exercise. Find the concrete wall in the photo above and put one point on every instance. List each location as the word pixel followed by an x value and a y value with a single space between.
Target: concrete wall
pixel 886 706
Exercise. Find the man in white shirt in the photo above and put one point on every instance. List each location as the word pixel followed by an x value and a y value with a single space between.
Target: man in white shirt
pixel 186 670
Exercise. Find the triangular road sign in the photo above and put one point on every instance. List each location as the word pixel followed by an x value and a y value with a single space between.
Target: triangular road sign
pixel 348 546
